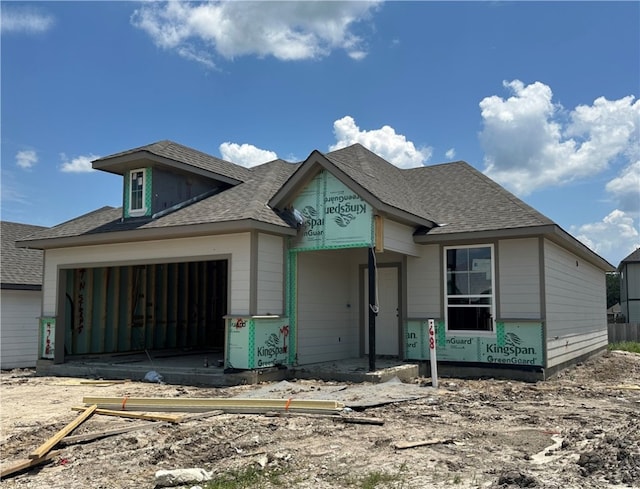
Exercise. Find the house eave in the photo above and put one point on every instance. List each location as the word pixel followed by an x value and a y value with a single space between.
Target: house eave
pixel 119 165
pixel 553 232
pixel 153 234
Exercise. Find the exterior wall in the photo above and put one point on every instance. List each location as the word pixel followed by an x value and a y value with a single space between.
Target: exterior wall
pixel 576 307
pixel 398 237
pixel 270 272
pixel 171 188
pixel 235 246
pixel 630 292
pixel 20 310
pixel 519 279
pixel 424 283
pixel 327 327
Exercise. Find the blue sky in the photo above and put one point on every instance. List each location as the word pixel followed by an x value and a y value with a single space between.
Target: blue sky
pixel 540 96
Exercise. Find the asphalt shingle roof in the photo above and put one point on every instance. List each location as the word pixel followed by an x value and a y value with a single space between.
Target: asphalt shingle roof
pixel 19 266
pixel 183 154
pixel 632 258
pixel 456 196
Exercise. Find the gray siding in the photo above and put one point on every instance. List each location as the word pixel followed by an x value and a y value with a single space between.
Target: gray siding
pixel 424 283
pixel 519 279
pixel 325 315
pixel 630 292
pixel 171 188
pixel 398 237
pixel 20 312
pixel 270 274
pixel 576 305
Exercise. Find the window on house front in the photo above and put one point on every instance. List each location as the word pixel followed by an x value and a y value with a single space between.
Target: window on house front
pixel 136 193
pixel 469 291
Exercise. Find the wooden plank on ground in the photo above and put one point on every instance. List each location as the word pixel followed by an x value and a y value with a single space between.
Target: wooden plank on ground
pixel 24 464
pixel 171 418
pixel 43 449
pixel 243 405
pixel 400 445
pixel 72 440
pixel 362 420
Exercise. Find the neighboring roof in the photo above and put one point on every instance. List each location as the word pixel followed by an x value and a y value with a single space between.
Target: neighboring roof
pixel 633 257
pixel 21 268
pixel 173 154
pixel 615 309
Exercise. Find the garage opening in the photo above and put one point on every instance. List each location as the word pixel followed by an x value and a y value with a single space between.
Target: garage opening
pixel 146 307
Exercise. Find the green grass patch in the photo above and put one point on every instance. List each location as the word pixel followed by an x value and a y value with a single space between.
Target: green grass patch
pixel 248 478
pixel 632 346
pixel 379 480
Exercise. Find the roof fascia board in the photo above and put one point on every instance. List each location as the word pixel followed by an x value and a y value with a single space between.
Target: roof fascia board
pixel 309 169
pixel 153 234
pixel 115 165
pixel 552 232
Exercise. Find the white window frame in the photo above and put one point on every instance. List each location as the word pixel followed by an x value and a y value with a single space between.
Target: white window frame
pixel 491 307
pixel 139 211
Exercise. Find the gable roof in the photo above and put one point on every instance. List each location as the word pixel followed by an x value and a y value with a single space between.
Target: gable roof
pixel 449 198
pixel 442 202
pixel 241 207
pixel 171 154
pixel 20 268
pixel 633 257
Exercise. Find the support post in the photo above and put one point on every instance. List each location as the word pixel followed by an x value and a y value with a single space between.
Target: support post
pixel 372 306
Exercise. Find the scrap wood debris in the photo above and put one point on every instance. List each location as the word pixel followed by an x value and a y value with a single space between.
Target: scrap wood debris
pixel 401 445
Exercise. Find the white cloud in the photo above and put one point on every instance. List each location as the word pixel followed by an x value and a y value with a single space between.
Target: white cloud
pixel 450 154
pixel 528 145
pixel 284 30
pixel 246 154
pixel 26 159
pixel 24 20
pixel 384 141
pixel 80 164
pixel 615 236
pixel 625 188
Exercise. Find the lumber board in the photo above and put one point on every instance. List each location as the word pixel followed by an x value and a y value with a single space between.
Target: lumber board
pixel 129 414
pixel 24 464
pixel 630 387
pixel 197 416
pixel 72 440
pixel 362 420
pixel 43 449
pixel 242 405
pixel 400 445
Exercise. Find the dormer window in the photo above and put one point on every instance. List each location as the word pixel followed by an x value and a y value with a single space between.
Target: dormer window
pixel 137 202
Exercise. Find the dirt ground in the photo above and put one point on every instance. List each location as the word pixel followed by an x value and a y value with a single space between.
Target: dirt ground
pixel 578 430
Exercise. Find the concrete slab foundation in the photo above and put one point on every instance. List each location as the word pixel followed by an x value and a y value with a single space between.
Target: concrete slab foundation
pixel 206 369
